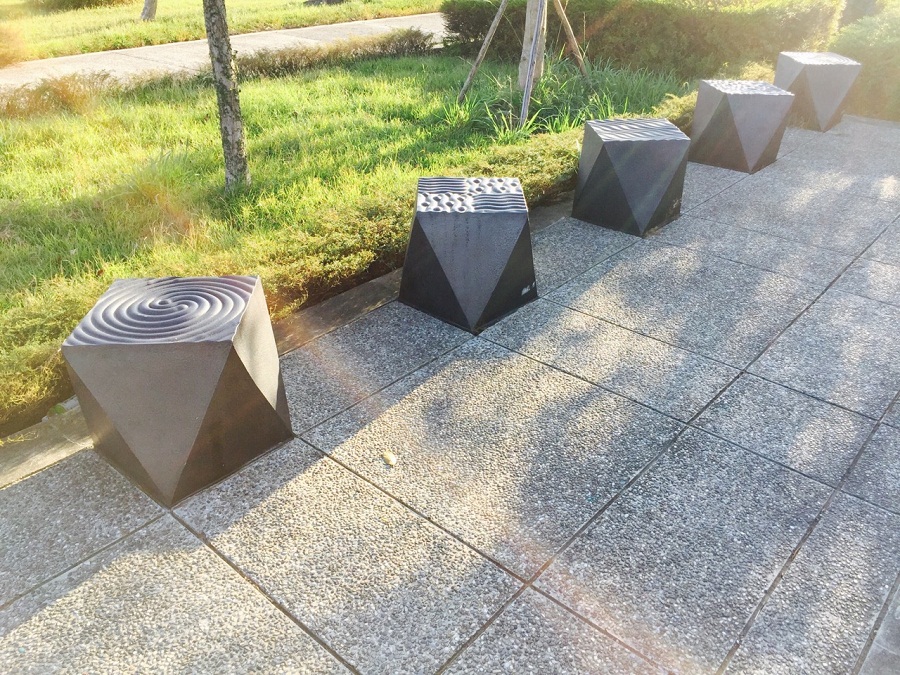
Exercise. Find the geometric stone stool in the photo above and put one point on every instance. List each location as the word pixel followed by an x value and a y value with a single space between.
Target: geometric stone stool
pixel 820 81
pixel 179 380
pixel 631 174
pixel 469 259
pixel 738 124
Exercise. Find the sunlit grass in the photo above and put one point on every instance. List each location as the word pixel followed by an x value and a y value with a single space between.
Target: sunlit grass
pixel 129 183
pixel 101 28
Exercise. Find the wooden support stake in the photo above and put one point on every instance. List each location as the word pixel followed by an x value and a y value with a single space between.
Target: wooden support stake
pixel 482 53
pixel 570 36
pixel 536 49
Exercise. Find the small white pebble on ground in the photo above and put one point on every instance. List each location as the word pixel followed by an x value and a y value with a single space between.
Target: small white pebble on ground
pixel 389 458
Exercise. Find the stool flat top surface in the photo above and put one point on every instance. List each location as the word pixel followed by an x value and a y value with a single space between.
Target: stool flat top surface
pixel 166 310
pixel 636 130
pixel 470 195
pixel 746 87
pixel 820 59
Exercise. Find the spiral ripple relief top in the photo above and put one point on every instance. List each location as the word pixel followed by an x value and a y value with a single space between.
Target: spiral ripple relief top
pixel 166 310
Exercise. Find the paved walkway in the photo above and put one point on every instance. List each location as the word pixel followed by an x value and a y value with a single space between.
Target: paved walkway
pixel 685 456
pixel 193 56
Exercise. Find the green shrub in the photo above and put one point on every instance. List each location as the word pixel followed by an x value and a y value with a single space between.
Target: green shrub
pixel 875 42
pixel 675 37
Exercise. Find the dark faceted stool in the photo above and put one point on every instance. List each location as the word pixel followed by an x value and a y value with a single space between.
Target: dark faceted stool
pixel 469 259
pixel 631 174
pixel 738 124
pixel 820 81
pixel 179 380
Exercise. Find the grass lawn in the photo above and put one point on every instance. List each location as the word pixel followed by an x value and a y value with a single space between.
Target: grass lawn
pixel 129 183
pixel 44 35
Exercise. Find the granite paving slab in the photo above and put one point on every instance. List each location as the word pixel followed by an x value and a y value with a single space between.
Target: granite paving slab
pixel 811 436
pixel 868 130
pixel 336 370
pixel 854 160
pixel 869 139
pixel 157 601
pixel 383 587
pixel 817 266
pixel 886 248
pixel 702 182
pixel 41 445
pixel 715 307
pixel 884 656
pixel 872 279
pixel 676 566
pixel 843 350
pixel 881 661
pixel 535 635
pixel 505 452
pixel 876 476
pixel 795 138
pixel 568 248
pixel 843 222
pixel 820 615
pixel 60 516
pixel 666 378
pixel 836 170
pixel 893 415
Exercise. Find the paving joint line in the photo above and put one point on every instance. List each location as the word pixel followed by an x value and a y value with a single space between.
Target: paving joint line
pixel 354 319
pixel 81 561
pixel 298 435
pixel 503 568
pixel 796 551
pixel 693 425
pixel 255 585
pixel 873 634
pixel 773 235
pixel 835 491
pixel 583 528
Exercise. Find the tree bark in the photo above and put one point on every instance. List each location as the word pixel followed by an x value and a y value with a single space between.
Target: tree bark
pixel 149 11
pixel 482 52
pixel 532 10
pixel 231 124
pixel 571 40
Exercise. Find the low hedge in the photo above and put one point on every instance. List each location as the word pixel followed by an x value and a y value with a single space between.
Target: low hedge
pixel 661 36
pixel 875 42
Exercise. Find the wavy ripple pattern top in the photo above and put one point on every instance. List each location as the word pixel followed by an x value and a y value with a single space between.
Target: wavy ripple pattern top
pixel 470 195
pixel 636 130
pixel 166 310
pixel 743 87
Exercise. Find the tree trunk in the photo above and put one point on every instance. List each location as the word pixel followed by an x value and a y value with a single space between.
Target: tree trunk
pixel 225 78
pixel 149 11
pixel 531 19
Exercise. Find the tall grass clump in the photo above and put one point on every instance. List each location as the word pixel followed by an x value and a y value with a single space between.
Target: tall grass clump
pixel 75 94
pixel 287 61
pixel 563 99
pixel 12 50
pixel 69 5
